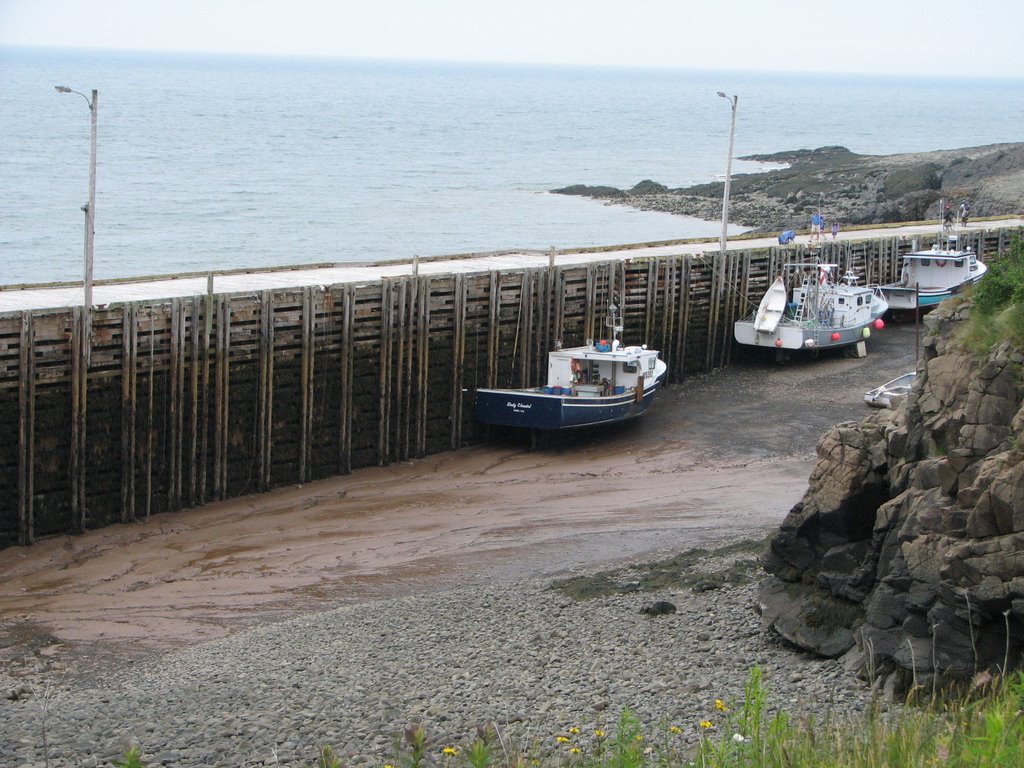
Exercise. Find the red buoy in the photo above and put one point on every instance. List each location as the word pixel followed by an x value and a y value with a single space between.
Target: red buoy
pixel 836 336
pixel 879 324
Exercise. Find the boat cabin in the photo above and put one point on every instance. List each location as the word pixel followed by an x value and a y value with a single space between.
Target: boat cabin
pixel 600 368
pixel 938 268
pixel 841 305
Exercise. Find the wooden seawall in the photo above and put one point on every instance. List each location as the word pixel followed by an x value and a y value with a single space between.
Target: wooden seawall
pixel 171 404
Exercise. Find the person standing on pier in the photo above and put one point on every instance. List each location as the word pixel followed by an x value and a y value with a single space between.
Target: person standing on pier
pixel 964 212
pixel 817 222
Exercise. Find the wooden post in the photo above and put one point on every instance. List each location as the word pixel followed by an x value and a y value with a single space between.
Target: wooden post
pixel 526 329
pixel 308 352
pixel 174 407
pixel 149 420
pixel 558 288
pixel 26 431
pixel 588 305
pixel 220 436
pixel 458 359
pixel 686 292
pixel 717 266
pixel 204 442
pixel 129 408
pixel 345 381
pixel 423 365
pixel 403 371
pixel 79 386
pixel 193 412
pixel 493 328
pixel 265 376
pixel 387 322
pixel 651 301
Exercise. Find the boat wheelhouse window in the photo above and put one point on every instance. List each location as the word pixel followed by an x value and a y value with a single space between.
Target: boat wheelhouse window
pixel 630 367
pixel 860 301
pixel 925 262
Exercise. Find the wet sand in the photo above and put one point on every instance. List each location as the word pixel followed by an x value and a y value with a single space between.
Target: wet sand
pixel 717 458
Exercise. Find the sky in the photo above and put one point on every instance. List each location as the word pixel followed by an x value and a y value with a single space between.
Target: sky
pixel 946 38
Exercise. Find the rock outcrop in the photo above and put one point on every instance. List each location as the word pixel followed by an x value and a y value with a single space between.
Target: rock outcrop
pixel 851 188
pixel 906 553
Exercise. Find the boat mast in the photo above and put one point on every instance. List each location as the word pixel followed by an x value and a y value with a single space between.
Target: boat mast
pixel 612 322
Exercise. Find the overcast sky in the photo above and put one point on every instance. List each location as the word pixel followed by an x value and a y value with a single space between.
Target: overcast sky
pixel 915 37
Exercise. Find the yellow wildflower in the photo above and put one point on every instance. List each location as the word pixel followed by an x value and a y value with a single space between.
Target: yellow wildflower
pixel 599 733
pixel 574 730
pixel 575 750
pixel 705 724
pixel 451 751
pixel 720 706
pixel 675 729
pixel 562 739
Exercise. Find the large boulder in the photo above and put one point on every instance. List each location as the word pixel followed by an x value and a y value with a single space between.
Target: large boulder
pixel 906 553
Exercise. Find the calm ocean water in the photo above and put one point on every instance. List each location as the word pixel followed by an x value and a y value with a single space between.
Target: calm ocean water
pixel 221 162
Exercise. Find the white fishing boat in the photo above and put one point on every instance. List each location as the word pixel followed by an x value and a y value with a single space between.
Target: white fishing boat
pixel 822 313
pixel 929 276
pixel 601 382
pixel 892 392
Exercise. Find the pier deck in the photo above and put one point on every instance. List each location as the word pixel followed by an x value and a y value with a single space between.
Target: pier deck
pixel 108 292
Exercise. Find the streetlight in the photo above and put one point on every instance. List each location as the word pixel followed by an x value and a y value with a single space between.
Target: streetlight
pixel 728 170
pixel 90 207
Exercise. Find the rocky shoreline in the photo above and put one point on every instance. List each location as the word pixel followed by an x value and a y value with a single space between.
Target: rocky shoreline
pixel 847 187
pixel 905 554
pixel 527 657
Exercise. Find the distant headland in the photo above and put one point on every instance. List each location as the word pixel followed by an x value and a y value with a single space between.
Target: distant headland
pixel 849 188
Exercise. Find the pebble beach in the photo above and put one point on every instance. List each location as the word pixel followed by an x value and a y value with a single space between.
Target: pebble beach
pixel 522 655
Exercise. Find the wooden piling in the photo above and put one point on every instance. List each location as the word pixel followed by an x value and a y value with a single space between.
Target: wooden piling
pixel 26 429
pixel 129 408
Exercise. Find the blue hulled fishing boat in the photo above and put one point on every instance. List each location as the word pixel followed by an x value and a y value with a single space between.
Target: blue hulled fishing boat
pixel 601 382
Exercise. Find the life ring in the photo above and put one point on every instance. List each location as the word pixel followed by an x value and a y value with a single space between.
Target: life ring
pixel 940 263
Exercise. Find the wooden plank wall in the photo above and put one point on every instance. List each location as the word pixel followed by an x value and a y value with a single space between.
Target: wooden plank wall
pixel 173 404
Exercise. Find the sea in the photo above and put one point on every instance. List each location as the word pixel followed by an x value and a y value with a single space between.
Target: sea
pixel 212 162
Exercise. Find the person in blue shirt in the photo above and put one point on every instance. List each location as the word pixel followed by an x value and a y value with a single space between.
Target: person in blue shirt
pixel 817 222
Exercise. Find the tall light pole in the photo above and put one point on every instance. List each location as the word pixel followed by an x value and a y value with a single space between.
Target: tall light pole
pixel 728 171
pixel 90 207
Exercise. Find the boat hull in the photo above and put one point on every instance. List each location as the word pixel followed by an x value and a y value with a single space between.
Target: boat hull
pixel 533 409
pixel 901 297
pixel 799 337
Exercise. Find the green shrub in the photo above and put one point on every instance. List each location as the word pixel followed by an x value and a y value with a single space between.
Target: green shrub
pixel 999 302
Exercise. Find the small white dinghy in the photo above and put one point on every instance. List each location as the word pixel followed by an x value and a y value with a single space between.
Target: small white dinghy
pixel 892 392
pixel 771 308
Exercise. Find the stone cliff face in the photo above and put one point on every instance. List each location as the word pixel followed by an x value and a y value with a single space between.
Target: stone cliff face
pixel 906 553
